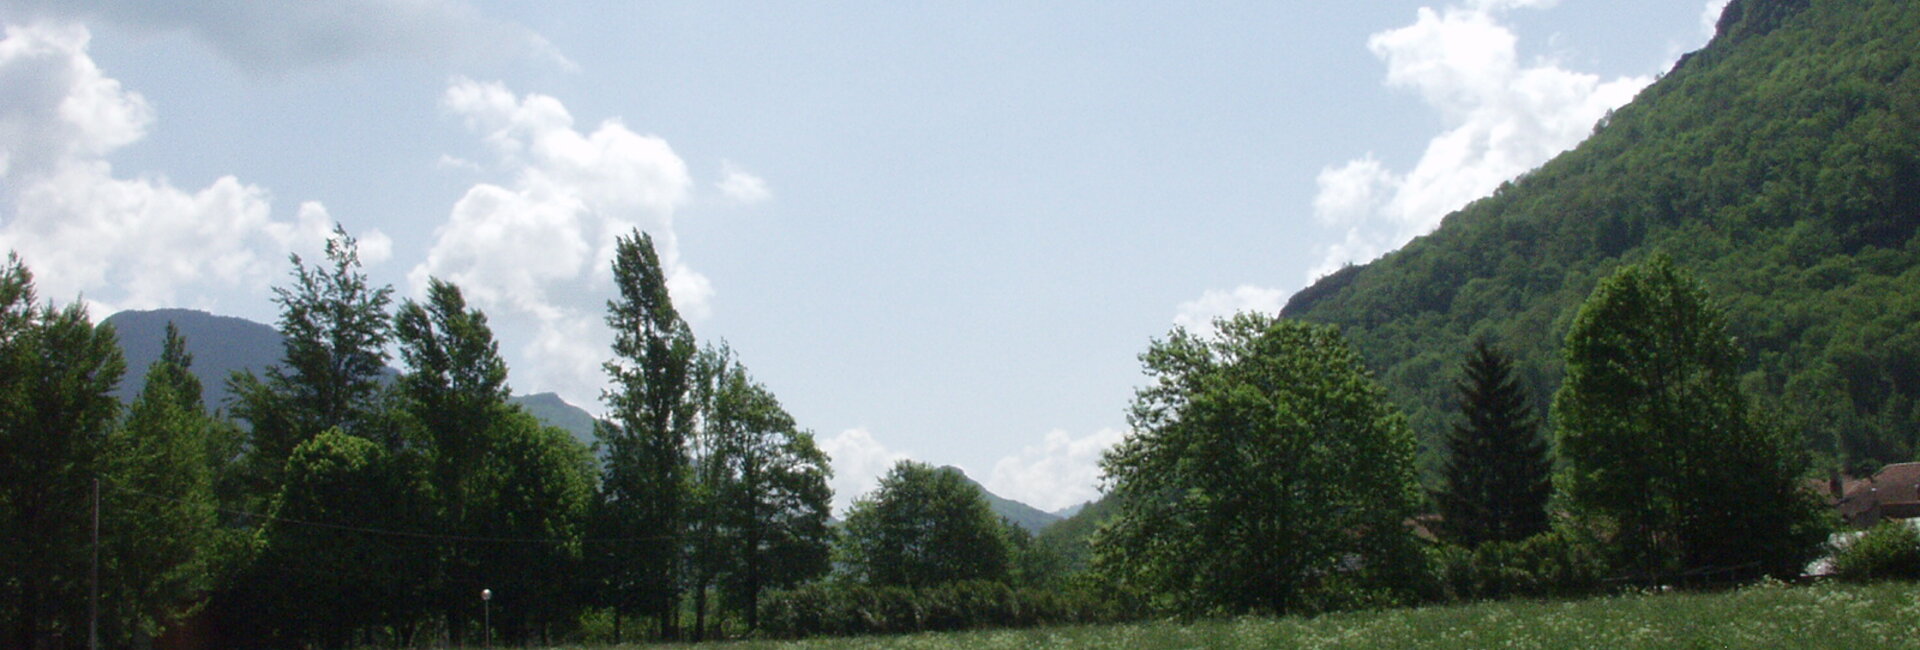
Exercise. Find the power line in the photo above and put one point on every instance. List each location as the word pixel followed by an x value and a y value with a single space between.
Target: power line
pixel 398 533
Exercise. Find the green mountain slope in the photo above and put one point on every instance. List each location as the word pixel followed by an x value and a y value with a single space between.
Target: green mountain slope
pixel 1026 516
pixel 1781 164
pixel 220 345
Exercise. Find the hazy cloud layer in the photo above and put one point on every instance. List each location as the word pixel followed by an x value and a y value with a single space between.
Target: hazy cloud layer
pixel 273 37
pixel 1503 118
pixel 535 245
pixel 1060 471
pixel 123 242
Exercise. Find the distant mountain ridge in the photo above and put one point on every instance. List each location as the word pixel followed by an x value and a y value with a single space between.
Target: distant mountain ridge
pixel 1026 516
pixel 221 345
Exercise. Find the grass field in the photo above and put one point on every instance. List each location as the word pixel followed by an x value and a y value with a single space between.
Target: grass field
pixel 1885 615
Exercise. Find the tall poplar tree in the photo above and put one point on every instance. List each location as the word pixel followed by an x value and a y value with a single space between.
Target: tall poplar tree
pixel 644 483
pixel 1497 475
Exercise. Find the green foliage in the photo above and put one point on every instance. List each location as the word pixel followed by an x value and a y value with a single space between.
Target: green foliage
pixel 1267 473
pixel 57 375
pixel 1495 477
pixel 1781 163
pixel 336 330
pixel 1071 539
pixel 644 485
pixel 760 492
pixel 923 527
pixel 160 525
pixel 321 575
pixel 1558 564
pixel 1657 440
pixel 1888 551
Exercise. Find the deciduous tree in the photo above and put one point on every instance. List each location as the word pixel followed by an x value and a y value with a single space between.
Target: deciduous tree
pixel 1266 472
pixel 1658 442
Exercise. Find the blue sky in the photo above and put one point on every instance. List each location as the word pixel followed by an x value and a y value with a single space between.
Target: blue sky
pixel 936 230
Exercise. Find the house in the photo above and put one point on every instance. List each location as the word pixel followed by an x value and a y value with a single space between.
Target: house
pixel 1892 493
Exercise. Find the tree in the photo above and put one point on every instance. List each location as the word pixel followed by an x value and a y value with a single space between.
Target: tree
pixel 1266 472
pixel 159 509
pixel 336 330
pixel 766 484
pixel 329 568
pixel 644 481
pixel 536 484
pixel 1497 475
pixel 57 381
pixel 455 391
pixel 1657 440
pixel 924 527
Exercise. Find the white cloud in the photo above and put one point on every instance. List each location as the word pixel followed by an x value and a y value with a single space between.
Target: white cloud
pixel 859 460
pixel 1503 118
pixel 536 247
pixel 1197 315
pixel 741 187
pixel 274 37
pixel 1060 471
pixel 1710 16
pixel 124 242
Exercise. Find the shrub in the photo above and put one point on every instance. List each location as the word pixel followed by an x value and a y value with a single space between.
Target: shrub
pixel 1889 550
pixel 1555 563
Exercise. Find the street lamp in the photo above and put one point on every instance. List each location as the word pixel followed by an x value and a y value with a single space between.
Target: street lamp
pixel 486 609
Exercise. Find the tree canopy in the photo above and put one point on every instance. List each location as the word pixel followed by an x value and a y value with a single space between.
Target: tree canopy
pixel 1266 472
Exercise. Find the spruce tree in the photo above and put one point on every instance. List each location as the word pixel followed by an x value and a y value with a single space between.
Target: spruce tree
pixel 1496 473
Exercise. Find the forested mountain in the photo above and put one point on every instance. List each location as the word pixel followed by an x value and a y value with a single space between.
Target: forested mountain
pixel 1026 516
pixel 1781 164
pixel 220 345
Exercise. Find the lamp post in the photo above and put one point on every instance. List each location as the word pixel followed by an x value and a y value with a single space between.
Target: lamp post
pixel 486 609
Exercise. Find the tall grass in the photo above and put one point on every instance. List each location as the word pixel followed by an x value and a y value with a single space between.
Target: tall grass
pixel 1883 615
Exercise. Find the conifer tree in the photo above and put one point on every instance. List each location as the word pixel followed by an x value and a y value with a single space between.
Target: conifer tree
pixel 159 511
pixel 1497 473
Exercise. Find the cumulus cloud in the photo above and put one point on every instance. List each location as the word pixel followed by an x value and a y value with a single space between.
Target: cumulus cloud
pixel 1060 471
pixel 124 242
pixel 274 37
pixel 537 245
pixel 1197 315
pixel 741 187
pixel 859 460
pixel 1503 117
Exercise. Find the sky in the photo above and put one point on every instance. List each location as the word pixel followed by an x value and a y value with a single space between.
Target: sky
pixel 940 231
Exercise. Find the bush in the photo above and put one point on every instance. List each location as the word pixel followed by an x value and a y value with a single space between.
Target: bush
pixel 1557 563
pixel 1889 550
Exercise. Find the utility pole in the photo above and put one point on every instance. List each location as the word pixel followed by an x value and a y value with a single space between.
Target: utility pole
pixel 93 598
